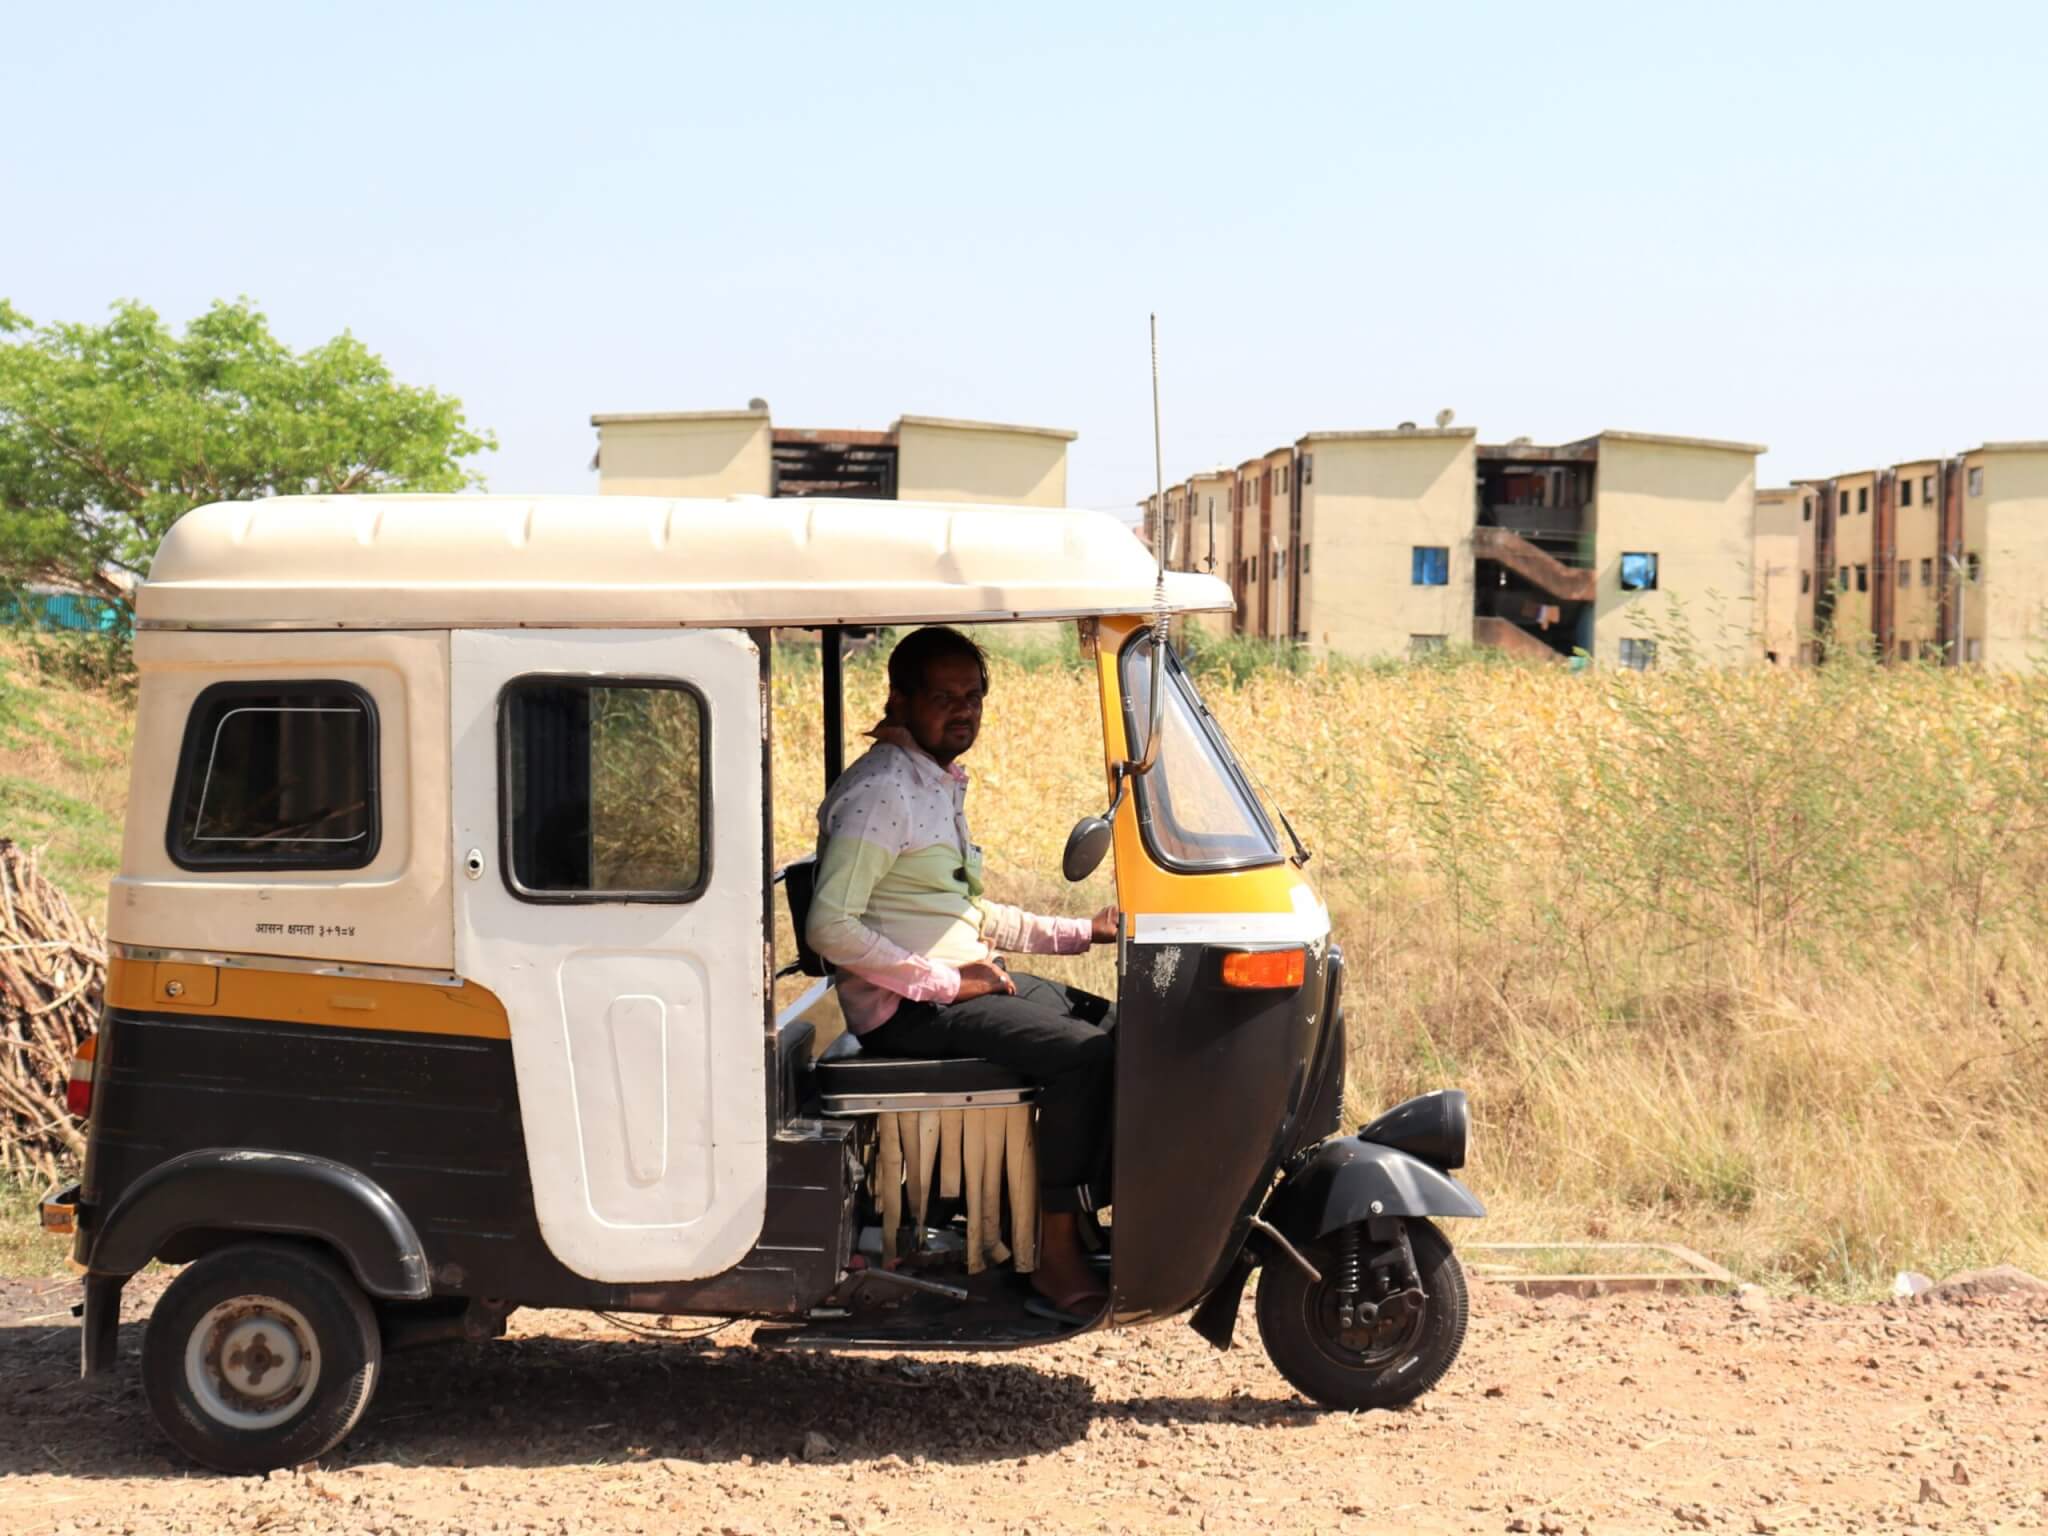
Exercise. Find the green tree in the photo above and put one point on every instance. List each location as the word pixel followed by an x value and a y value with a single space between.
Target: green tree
pixel 109 433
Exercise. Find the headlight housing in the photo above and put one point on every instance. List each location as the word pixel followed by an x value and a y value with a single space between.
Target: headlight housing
pixel 1432 1126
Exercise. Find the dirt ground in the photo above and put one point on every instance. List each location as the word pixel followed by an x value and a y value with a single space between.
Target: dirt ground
pixel 1563 1416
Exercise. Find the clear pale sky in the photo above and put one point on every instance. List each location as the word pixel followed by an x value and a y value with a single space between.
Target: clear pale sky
pixel 1825 229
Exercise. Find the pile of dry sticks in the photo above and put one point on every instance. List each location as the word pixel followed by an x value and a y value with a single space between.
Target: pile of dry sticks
pixel 53 967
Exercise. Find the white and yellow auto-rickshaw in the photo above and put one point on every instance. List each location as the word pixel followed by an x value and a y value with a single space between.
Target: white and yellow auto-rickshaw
pixel 443 972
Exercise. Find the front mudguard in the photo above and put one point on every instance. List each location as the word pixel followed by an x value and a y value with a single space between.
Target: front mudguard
pixel 1345 1181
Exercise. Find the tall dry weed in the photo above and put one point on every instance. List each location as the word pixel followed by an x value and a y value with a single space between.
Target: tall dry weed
pixel 1749 959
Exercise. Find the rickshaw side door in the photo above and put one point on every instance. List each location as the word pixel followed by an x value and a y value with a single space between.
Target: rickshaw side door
pixel 607 887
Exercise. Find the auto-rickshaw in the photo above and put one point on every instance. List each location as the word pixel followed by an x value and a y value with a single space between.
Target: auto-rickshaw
pixel 443 970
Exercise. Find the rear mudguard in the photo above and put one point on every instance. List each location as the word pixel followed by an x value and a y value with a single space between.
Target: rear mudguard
pixel 1345 1181
pixel 242 1191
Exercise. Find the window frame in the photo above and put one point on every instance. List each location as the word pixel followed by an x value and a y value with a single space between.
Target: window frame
pixel 506 870
pixel 1418 567
pixel 1656 569
pixel 1637 646
pixel 1173 674
pixel 188 748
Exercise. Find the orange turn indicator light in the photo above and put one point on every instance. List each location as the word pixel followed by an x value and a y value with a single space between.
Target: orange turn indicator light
pixel 1265 970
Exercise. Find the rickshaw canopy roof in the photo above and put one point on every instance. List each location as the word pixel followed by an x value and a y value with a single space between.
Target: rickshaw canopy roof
pixel 396 561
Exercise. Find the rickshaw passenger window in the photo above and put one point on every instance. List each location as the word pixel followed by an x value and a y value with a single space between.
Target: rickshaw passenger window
pixel 603 787
pixel 1195 808
pixel 277 776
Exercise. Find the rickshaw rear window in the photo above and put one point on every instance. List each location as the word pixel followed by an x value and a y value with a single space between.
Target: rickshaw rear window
pixel 1195 808
pixel 277 776
pixel 604 790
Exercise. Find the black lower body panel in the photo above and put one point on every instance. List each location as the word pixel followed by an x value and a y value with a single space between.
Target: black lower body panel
pixel 434 1120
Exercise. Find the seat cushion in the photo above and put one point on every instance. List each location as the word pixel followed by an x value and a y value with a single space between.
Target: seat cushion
pixel 846 1071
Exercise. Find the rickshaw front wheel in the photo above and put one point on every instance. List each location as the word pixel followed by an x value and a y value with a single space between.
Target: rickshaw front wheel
pixel 1376 1343
pixel 260 1356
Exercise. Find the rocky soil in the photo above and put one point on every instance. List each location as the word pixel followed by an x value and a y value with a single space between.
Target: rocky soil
pixel 1698 1414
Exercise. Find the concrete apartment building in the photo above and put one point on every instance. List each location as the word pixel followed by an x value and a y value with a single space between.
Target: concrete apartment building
pixel 1924 560
pixel 742 453
pixel 1399 542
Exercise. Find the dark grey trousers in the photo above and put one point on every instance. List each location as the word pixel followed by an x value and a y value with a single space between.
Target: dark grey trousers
pixel 1056 1037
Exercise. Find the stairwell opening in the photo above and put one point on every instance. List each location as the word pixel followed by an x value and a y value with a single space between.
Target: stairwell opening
pixel 1534 578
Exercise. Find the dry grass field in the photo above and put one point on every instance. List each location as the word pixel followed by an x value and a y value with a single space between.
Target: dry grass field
pixel 1755 961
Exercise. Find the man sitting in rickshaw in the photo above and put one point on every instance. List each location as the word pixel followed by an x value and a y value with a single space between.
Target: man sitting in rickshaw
pixel 899 911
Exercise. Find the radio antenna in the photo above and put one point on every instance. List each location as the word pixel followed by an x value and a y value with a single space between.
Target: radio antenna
pixel 1143 763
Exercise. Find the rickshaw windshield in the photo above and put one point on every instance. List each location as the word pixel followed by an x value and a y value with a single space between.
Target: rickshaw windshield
pixel 1195 809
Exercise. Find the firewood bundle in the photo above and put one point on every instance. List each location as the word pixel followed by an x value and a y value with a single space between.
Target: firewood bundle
pixel 53 968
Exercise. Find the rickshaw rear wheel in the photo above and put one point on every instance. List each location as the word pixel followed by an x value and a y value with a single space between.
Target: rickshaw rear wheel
pixel 1391 1356
pixel 260 1356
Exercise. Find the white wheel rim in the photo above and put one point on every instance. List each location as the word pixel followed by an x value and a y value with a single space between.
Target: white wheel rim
pixel 252 1362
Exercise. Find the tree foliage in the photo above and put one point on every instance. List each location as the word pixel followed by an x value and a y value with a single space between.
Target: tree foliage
pixel 109 433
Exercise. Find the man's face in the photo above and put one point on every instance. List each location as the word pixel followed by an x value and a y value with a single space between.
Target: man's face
pixel 944 716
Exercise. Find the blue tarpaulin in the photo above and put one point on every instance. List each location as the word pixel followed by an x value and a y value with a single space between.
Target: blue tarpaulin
pixel 72 611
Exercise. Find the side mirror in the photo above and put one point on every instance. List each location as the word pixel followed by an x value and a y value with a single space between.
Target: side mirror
pixel 1086 845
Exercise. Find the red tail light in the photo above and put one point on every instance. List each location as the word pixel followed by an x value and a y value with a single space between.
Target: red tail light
pixel 78 1092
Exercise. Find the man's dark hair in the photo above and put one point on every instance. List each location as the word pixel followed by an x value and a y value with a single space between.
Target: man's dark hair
pixel 920 648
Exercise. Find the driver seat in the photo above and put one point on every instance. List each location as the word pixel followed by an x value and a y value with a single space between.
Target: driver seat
pixel 954 1126
pixel 850 1083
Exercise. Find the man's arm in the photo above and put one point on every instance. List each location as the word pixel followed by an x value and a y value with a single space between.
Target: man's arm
pixel 1010 928
pixel 860 840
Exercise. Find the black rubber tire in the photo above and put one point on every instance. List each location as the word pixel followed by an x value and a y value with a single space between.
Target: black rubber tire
pixel 344 1326
pixel 1305 1351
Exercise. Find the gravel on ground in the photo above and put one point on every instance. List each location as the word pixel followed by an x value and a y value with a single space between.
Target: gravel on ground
pixel 1746 1414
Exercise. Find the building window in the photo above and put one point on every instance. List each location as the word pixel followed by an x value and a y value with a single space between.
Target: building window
pixel 605 790
pixel 1304 559
pixel 1862 498
pixel 1638 655
pixel 1927 490
pixel 1283 479
pixel 1805 582
pixel 1639 572
pixel 1862 578
pixel 277 775
pixel 1842 581
pixel 1806 510
pixel 1905 573
pixel 1926 573
pixel 1420 646
pixel 1973 650
pixel 1308 469
pixel 1430 566
pixel 1973 568
pixel 1905 491
pixel 1976 479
